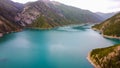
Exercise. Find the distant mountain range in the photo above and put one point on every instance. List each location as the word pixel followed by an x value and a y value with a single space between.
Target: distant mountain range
pixel 41 14
pixel 106 15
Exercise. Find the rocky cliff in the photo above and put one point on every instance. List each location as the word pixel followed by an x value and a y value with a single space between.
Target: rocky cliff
pixel 8 11
pixel 40 14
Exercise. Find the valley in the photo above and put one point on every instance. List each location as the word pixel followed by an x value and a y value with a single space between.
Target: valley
pixel 51 34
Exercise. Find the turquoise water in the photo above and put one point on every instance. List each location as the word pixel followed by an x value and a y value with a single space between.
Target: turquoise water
pixel 64 47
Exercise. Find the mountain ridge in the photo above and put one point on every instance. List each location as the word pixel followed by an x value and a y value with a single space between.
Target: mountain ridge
pixel 110 27
pixel 105 16
pixel 43 14
pixel 8 11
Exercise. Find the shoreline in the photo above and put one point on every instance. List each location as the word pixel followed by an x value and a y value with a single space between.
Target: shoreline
pixel 96 30
pixel 113 37
pixel 36 28
pixel 106 36
pixel 88 58
pixel 2 34
pixel 74 25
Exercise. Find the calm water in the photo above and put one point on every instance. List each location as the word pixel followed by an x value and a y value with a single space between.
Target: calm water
pixel 64 47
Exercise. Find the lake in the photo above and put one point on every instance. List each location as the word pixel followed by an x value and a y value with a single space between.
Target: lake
pixel 63 47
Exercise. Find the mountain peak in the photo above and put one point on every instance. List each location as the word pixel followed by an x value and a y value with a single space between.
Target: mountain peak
pixel 44 0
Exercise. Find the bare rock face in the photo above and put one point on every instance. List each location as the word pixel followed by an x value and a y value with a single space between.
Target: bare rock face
pixel 35 10
pixel 8 11
pixel 27 16
pixel 29 13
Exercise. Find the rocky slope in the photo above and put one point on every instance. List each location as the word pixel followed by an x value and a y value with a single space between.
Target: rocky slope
pixel 108 57
pixel 110 27
pixel 41 14
pixel 8 11
pixel 77 15
pixel 48 14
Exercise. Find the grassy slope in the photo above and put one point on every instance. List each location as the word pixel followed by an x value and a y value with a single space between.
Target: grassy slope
pixel 108 57
pixel 77 15
pixel 48 17
pixel 110 27
pixel 60 15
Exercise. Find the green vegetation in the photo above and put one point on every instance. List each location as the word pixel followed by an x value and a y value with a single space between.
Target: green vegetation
pixel 113 30
pixel 41 14
pixel 108 57
pixel 40 22
pixel 101 52
pixel 48 17
pixel 98 26
pixel 110 27
pixel 57 14
pixel 77 15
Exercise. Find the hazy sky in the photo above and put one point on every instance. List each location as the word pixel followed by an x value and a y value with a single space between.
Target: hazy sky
pixel 92 5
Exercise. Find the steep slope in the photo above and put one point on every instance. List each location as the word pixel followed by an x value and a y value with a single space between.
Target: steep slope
pixel 8 11
pixel 105 15
pixel 48 14
pixel 77 15
pixel 40 15
pixel 6 26
pixel 108 57
pixel 110 27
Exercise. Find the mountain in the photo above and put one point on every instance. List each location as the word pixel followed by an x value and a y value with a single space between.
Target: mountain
pixel 106 15
pixel 8 11
pixel 41 14
pixel 108 57
pixel 110 27
pixel 49 14
pixel 77 15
